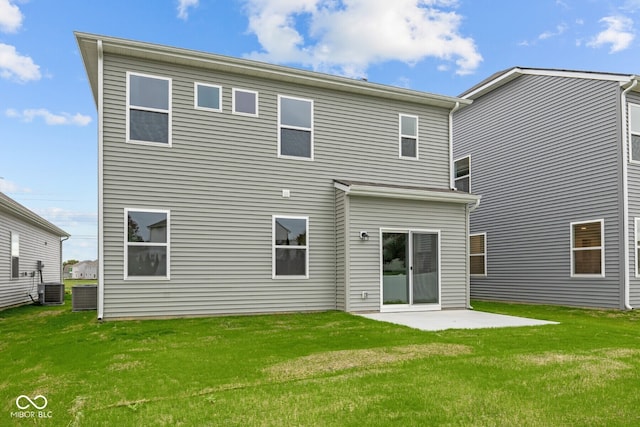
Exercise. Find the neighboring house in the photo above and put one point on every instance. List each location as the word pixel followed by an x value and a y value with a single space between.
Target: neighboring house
pixel 85 270
pixel 558 165
pixel 30 252
pixel 234 186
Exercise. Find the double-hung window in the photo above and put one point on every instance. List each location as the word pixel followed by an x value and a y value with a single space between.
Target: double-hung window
pixel 15 255
pixel 463 174
pixel 207 97
pixel 148 109
pixel 245 102
pixel 295 127
pixel 147 243
pixel 587 248
pixel 634 127
pixel 290 247
pixel 478 254
pixel 408 136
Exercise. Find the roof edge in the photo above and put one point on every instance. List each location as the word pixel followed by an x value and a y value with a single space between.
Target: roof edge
pixel 368 189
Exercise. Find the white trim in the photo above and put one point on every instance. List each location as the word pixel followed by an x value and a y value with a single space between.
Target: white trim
pixel 601 248
pixel 195 97
pixel 455 171
pixel 100 102
pixel 484 254
pixel 407 193
pixel 166 244
pixel 401 135
pixel 411 306
pixel 233 102
pixel 306 247
pixel 280 126
pixel 155 110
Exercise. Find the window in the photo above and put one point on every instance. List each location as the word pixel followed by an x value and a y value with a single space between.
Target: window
pixel 245 102
pixel 15 255
pixel 207 97
pixel 295 127
pixel 290 247
pixel 147 243
pixel 587 248
pixel 634 127
pixel 149 109
pixel 637 247
pixel 463 174
pixel 478 254
pixel 408 136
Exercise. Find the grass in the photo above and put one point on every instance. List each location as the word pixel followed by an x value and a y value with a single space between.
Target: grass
pixel 321 369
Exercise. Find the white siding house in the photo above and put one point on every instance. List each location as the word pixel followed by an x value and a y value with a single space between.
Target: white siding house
pixel 235 186
pixel 30 253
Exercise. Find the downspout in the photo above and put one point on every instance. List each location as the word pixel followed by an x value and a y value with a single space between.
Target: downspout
pixel 625 196
pixel 61 260
pixel 100 180
pixel 451 179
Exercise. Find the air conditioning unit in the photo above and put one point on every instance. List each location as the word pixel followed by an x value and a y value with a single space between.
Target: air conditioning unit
pixel 84 297
pixel 51 293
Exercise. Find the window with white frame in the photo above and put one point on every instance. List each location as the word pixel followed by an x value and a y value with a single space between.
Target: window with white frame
pixel 463 174
pixel 147 243
pixel 207 97
pixel 634 129
pixel 15 255
pixel 478 254
pixel 295 127
pixel 148 109
pixel 408 136
pixel 637 247
pixel 587 248
pixel 290 246
pixel 245 102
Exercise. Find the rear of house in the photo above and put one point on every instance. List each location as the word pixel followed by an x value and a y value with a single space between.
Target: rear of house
pixel 30 253
pixel 548 151
pixel 233 186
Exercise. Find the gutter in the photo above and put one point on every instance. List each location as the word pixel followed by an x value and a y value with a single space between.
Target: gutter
pixel 625 195
pixel 100 180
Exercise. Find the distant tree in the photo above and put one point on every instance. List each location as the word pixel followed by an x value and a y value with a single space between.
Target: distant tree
pixel 70 262
pixel 134 231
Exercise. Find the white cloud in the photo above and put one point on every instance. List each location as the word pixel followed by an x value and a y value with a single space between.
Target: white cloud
pixel 64 217
pixel 618 33
pixel 10 17
pixel 11 187
pixel 49 118
pixel 183 8
pixel 560 29
pixel 15 66
pixel 347 36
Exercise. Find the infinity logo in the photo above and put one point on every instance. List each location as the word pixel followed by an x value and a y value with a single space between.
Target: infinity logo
pixel 30 402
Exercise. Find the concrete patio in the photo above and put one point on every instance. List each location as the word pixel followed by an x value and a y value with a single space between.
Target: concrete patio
pixel 454 319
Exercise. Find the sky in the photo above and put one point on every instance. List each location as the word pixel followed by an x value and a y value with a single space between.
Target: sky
pixel 48 120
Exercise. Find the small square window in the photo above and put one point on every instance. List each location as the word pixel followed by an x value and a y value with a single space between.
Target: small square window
pixel 208 97
pixel 245 102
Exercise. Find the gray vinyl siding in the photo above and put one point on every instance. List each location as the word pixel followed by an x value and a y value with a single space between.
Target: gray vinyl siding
pixel 634 212
pixel 373 214
pixel 35 245
pixel 341 249
pixel 222 182
pixel 545 152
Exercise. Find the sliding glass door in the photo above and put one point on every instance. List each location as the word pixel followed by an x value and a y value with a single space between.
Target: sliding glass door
pixel 410 268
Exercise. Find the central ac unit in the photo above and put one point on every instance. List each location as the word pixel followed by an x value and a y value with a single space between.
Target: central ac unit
pixel 84 297
pixel 51 293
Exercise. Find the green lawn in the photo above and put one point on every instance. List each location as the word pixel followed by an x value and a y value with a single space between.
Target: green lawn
pixel 321 369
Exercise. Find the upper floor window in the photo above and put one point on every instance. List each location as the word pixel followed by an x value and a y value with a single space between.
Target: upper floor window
pixel 478 254
pixel 408 136
pixel 290 246
pixel 587 248
pixel 15 255
pixel 295 126
pixel 245 102
pixel 147 243
pixel 207 97
pixel 463 174
pixel 634 127
pixel 149 109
